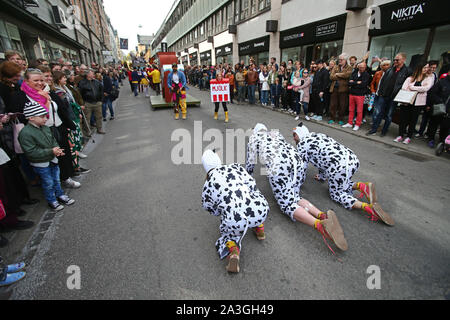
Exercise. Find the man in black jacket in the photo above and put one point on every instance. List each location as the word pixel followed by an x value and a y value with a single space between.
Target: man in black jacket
pixel 319 86
pixel 440 93
pixel 92 93
pixel 390 85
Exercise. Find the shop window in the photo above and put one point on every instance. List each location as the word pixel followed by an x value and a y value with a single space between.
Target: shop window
pixel 412 43
pixel 291 53
pixel 440 49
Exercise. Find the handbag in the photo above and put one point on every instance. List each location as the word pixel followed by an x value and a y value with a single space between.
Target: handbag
pixel 17 127
pixel 440 109
pixel 406 97
pixel 54 129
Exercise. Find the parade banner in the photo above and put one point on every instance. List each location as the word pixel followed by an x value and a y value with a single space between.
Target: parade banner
pixel 123 44
pixel 220 90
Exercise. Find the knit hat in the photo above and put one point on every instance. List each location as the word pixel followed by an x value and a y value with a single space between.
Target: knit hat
pixel 33 109
pixel 259 127
pixel 210 160
pixel 301 131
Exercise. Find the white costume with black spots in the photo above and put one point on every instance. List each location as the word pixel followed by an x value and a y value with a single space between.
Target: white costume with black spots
pixel 336 163
pixel 231 193
pixel 284 167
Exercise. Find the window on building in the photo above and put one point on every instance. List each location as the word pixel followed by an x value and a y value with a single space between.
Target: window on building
pixel 253 7
pixel 202 29
pixel 195 33
pixel 244 9
pixel 237 6
pixel 229 15
pixel 261 4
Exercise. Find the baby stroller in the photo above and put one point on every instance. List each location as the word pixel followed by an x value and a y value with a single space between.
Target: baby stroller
pixel 443 147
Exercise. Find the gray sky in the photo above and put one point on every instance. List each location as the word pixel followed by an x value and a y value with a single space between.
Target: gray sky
pixel 127 15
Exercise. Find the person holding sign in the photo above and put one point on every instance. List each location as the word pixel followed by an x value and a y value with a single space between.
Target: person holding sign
pixel 220 92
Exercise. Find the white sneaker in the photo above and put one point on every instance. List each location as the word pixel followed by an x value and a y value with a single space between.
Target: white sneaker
pixel 348 125
pixel 69 183
pixel 298 118
pixel 356 128
pixel 307 118
pixel 82 155
pixel 399 139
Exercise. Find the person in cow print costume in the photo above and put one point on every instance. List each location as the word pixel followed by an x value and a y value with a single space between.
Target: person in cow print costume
pixel 338 164
pixel 231 193
pixel 285 172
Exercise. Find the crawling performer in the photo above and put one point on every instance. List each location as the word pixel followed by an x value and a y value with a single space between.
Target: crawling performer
pixel 338 164
pixel 231 193
pixel 284 169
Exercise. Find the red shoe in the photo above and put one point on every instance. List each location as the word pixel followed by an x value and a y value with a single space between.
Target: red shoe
pixel 233 260
pixel 385 217
pixel 331 229
pixel 260 234
pixel 322 216
pixel 368 190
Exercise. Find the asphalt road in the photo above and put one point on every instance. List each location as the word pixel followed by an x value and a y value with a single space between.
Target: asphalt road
pixel 138 230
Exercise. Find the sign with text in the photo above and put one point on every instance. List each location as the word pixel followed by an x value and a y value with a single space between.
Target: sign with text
pixel 220 90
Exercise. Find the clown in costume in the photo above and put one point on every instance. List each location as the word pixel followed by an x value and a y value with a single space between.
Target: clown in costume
pixel 231 193
pixel 176 81
pixel 285 172
pixel 338 164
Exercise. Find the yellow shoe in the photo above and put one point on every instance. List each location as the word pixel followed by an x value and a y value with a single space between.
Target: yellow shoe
pixel 216 115
pixel 226 117
pixel 177 116
pixel 184 116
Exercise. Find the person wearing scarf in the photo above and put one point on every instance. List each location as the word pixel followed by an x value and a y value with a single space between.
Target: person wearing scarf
pixel 75 136
pixel 231 193
pixel 60 122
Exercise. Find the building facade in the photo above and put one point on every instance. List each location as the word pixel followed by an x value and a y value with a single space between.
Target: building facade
pixel 75 30
pixel 218 31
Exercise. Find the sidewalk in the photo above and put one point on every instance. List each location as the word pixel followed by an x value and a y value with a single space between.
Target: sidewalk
pixel 417 146
pixel 24 244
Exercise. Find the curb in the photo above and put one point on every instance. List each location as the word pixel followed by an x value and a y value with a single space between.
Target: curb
pixel 401 147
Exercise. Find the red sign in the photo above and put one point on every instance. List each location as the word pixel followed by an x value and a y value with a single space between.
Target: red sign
pixel 220 90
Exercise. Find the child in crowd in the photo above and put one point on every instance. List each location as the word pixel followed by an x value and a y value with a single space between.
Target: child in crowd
pixel 42 150
pixel 145 83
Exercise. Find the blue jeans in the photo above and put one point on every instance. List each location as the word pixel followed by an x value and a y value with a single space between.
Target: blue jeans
pixel 384 109
pixel 241 93
pixel 50 182
pixel 135 89
pixel 251 93
pixel 264 96
pixel 107 103
pixel 273 92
